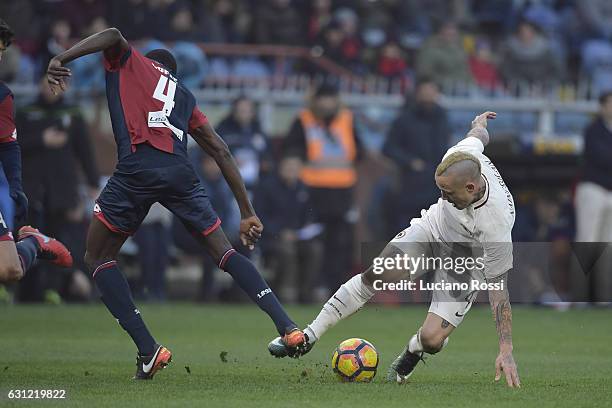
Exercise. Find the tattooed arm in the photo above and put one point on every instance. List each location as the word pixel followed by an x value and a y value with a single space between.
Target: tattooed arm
pixel 502 313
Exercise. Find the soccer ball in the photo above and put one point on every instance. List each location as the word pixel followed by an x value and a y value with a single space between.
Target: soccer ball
pixel 355 360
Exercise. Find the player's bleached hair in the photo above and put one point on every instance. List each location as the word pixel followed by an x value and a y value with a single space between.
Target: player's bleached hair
pixel 454 158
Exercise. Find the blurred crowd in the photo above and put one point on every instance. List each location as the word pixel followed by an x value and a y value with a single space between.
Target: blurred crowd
pixel 319 189
pixel 460 42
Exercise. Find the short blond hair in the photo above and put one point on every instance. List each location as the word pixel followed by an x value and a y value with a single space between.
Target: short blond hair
pixel 456 157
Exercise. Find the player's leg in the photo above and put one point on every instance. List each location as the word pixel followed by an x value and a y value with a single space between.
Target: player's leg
pixel 357 291
pixel 187 199
pixel 103 245
pixel 118 212
pixel 17 257
pixel 431 337
pixel 248 278
pixel 10 265
pixel 445 314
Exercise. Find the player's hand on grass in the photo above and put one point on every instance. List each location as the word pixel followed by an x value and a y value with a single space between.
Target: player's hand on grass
pixel 505 362
pixel 481 120
pixel 57 75
pixel 250 231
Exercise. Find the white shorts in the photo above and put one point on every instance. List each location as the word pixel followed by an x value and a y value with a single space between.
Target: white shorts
pixel 451 305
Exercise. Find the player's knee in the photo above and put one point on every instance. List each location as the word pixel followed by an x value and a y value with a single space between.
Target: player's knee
pixel 432 341
pixel 92 261
pixel 11 272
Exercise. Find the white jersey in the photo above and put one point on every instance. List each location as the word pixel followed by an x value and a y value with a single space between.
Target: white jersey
pixel 487 222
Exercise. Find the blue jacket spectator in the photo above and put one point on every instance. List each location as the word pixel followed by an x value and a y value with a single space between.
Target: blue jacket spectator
pixel 247 142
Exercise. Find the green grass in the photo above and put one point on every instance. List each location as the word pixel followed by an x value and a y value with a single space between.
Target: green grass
pixel 564 359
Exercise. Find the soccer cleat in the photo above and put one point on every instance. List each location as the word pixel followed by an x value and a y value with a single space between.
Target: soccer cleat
pixel 291 345
pixel 147 366
pixel 50 249
pixel 402 368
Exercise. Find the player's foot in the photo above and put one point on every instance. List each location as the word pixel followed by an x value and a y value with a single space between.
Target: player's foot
pixel 402 368
pixel 147 366
pixel 50 248
pixel 294 345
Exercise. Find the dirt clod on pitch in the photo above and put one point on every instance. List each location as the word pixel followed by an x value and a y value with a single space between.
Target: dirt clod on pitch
pixel 223 356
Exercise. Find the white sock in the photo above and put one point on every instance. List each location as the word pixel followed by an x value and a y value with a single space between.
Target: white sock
pixel 348 299
pixel 414 345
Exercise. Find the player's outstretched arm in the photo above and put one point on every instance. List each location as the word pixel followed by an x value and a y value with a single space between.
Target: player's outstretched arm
pixel 250 225
pixel 479 127
pixel 502 313
pixel 110 41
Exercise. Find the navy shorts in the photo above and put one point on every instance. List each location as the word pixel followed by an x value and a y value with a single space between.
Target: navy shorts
pixel 152 176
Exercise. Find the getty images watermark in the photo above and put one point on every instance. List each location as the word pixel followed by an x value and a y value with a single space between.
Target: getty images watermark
pixel 453 267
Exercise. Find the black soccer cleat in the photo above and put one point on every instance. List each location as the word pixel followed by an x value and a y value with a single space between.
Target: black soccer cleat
pixel 147 366
pixel 402 368
pixel 279 348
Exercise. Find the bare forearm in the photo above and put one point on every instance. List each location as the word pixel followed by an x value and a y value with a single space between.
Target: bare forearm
pixel 480 133
pixel 212 144
pixel 502 313
pixel 101 41
pixel 230 171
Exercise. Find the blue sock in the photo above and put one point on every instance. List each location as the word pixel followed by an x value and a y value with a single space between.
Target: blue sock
pixel 27 249
pixel 247 277
pixel 117 297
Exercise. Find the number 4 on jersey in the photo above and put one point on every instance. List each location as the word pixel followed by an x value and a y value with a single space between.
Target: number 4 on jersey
pixel 166 98
pixel 161 118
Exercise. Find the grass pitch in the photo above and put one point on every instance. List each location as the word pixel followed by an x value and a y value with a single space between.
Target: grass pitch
pixel 220 359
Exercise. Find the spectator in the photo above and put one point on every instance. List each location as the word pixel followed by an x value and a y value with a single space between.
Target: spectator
pixel 417 140
pixel 247 142
pixel 278 22
pixel 391 63
pixel 442 57
pixel 547 222
pixel 597 64
pixel 86 70
pixel 81 13
pixel 290 244
pixel 324 137
pixel 596 18
pixel 225 21
pixel 191 62
pixel 55 147
pixel 331 41
pixel 56 40
pixel 131 17
pixel 528 57
pixel 320 17
pixel 483 66
pixel 594 192
pixel 182 26
pixel 348 22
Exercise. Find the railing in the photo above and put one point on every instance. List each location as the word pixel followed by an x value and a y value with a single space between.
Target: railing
pixel 280 99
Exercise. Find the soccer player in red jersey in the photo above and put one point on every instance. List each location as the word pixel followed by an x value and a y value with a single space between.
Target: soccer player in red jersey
pixel 152 113
pixel 17 257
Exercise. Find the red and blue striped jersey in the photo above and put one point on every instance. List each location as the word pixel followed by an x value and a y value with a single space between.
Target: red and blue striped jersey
pixel 8 132
pixel 148 104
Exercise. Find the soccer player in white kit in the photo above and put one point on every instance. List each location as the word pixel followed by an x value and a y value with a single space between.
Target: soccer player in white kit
pixel 476 210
